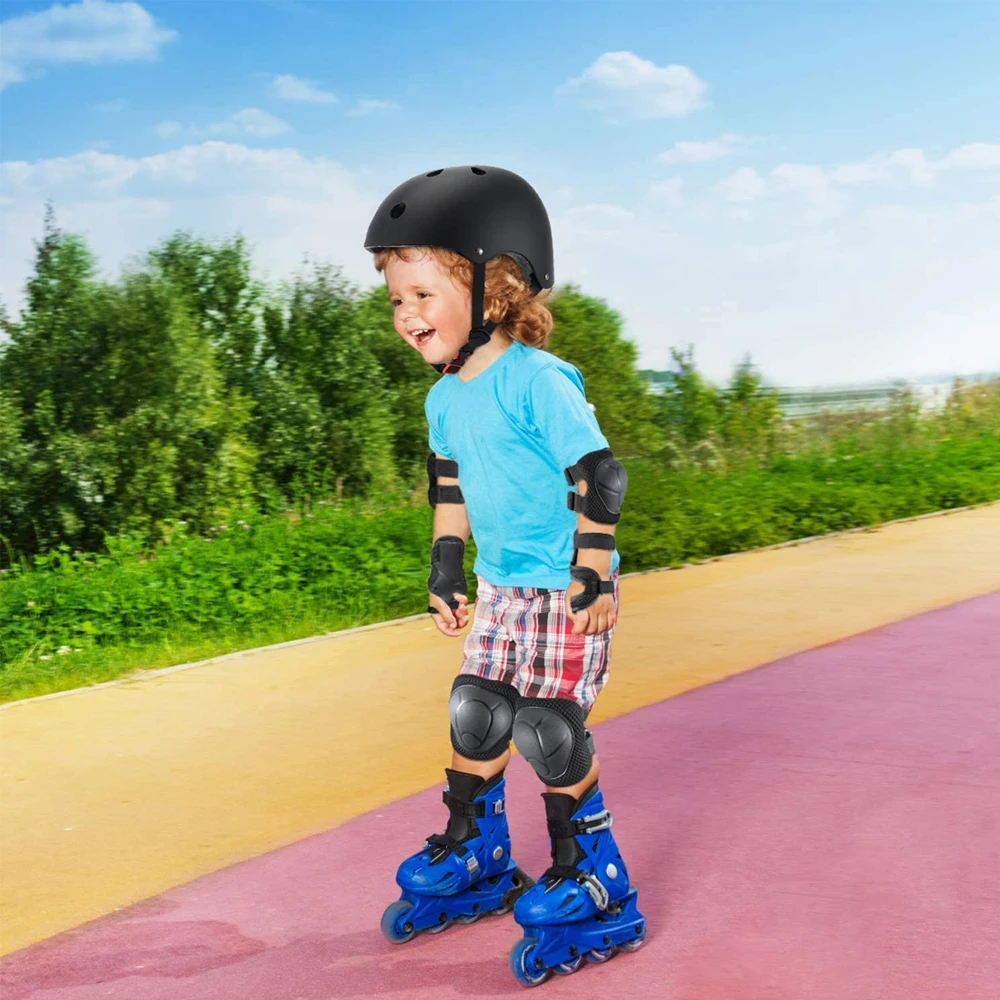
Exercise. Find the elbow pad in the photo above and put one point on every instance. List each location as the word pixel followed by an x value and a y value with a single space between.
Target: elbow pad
pixel 606 483
pixel 442 494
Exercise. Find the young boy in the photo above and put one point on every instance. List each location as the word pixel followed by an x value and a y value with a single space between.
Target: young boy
pixel 510 424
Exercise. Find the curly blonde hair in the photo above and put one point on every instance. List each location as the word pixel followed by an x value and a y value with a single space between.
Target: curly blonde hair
pixel 507 299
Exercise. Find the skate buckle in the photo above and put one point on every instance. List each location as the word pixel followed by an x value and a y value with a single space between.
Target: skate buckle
pixel 497 807
pixel 596 889
pixel 471 863
pixel 600 821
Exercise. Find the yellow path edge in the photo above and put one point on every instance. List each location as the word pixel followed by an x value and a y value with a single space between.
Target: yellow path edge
pixel 141 784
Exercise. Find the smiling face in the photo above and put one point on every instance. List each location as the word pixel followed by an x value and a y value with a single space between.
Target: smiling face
pixel 423 296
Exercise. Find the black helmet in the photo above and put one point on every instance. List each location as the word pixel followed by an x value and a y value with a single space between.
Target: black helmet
pixel 478 212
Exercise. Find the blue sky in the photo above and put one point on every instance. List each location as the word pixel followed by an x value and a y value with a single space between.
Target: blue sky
pixel 815 183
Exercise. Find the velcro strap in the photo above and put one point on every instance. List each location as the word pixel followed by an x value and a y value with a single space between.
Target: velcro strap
pixel 591 883
pixel 592 539
pixel 470 810
pixel 563 828
pixel 573 828
pixel 445 494
pixel 442 466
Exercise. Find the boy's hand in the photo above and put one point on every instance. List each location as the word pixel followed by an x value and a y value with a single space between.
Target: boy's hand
pixel 598 617
pixel 450 622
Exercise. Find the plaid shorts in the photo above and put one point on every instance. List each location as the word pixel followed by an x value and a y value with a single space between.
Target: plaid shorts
pixel 524 636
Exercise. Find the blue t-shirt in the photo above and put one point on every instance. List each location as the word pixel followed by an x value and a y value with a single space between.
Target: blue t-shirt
pixel 512 429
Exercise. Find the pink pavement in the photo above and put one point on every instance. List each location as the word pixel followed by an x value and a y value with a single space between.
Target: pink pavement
pixel 826 827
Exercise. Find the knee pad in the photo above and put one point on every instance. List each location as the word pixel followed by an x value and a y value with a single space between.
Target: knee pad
pixel 482 715
pixel 607 481
pixel 549 733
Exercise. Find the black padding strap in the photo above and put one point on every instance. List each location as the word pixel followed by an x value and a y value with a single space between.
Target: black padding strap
pixel 574 828
pixel 442 467
pixel 593 540
pixel 470 810
pixel 448 842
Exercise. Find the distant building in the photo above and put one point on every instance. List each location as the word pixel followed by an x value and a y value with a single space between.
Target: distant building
pixel 805 401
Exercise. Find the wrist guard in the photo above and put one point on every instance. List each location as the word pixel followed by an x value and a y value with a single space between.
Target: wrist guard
pixel 595 586
pixel 447 571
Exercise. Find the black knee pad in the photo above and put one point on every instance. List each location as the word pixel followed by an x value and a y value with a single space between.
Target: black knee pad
pixel 549 733
pixel 482 714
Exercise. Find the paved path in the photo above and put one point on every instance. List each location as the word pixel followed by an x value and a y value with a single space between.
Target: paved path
pixel 824 827
pixel 759 788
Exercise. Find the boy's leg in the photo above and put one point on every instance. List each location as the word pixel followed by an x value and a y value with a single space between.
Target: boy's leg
pixel 483 699
pixel 583 904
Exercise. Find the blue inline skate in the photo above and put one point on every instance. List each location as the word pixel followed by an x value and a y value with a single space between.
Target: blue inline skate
pixel 583 906
pixel 465 872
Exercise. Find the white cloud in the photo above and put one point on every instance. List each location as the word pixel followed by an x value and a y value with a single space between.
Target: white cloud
pixel 880 290
pixel 813 184
pixel 744 184
pixel 293 88
pixel 249 121
pixel 974 156
pixel 622 83
pixel 595 223
pixel 822 188
pixel 903 165
pixel 285 203
pixel 93 31
pixel 710 149
pixel 367 106
pixel 168 129
pixel 667 191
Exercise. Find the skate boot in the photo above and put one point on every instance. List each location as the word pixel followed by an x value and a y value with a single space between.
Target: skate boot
pixel 465 872
pixel 583 906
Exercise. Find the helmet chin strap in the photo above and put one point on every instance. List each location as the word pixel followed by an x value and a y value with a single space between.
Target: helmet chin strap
pixel 480 332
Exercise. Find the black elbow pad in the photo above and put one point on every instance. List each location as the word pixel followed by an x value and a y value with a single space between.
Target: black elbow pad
pixel 606 483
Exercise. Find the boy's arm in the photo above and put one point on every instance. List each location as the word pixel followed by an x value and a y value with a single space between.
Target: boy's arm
pixel 598 560
pixel 450 518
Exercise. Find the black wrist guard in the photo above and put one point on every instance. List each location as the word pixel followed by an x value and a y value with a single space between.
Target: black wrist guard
pixel 447 570
pixel 591 579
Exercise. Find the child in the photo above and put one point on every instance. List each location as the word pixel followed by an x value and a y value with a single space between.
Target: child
pixel 508 426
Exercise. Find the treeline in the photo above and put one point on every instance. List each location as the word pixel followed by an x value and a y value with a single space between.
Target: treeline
pixel 187 387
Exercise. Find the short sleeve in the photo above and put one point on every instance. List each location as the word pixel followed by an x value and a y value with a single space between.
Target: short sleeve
pixel 435 439
pixel 556 409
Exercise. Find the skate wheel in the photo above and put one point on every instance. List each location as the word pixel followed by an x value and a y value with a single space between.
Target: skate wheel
pixel 568 968
pixel 635 944
pixel 522 963
pixel 468 918
pixel 394 923
pixel 438 927
pixel 599 956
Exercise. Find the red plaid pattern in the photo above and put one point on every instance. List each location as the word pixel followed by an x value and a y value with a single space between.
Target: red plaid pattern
pixel 524 636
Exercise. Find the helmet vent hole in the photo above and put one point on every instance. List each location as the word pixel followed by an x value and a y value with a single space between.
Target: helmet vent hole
pixel 478 170
pixel 434 173
pixel 397 210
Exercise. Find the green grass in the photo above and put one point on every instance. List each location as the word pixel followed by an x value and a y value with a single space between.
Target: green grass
pixel 72 619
